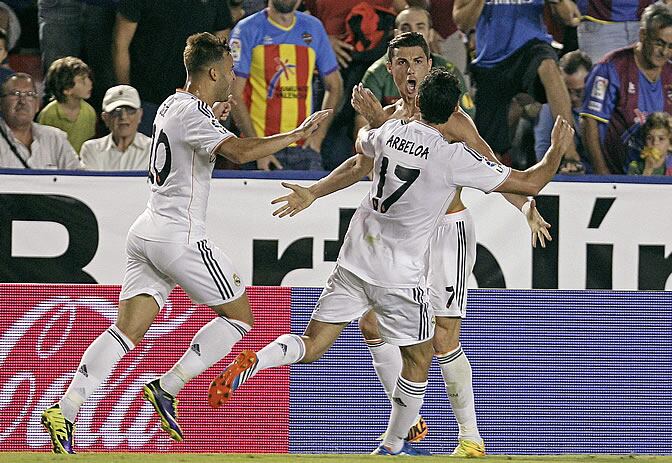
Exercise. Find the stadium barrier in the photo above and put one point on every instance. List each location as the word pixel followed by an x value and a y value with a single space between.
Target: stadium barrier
pixel 608 232
pixel 554 372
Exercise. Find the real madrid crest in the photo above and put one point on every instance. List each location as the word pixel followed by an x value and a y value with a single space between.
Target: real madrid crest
pixel 236 279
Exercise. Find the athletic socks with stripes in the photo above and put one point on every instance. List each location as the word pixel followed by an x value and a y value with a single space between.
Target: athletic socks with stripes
pixel 211 344
pixel 287 349
pixel 456 371
pixel 386 359
pixel 97 363
pixel 406 402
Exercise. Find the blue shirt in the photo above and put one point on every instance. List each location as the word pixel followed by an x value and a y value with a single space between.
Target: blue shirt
pixel 503 28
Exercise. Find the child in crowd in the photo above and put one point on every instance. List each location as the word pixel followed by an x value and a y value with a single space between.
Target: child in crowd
pixel 69 83
pixel 655 157
pixel 5 70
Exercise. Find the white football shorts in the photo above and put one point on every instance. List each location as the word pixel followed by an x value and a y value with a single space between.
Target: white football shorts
pixel 452 255
pixel 203 271
pixel 404 315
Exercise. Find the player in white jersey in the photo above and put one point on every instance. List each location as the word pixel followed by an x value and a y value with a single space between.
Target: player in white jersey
pixel 452 249
pixel 416 173
pixel 167 244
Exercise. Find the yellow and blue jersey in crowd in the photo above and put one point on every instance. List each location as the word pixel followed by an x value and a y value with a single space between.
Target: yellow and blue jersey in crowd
pixel 278 63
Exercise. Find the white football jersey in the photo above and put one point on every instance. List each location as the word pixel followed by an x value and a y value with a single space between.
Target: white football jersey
pixel 416 172
pixel 184 138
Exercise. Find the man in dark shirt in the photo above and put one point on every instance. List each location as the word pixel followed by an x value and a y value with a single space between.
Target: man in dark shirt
pixel 149 40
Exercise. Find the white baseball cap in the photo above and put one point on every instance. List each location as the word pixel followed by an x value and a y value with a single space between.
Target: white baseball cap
pixel 120 95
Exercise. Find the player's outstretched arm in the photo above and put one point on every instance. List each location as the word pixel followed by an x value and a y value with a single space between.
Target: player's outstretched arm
pixel 241 150
pixel 348 173
pixel 461 127
pixel 532 180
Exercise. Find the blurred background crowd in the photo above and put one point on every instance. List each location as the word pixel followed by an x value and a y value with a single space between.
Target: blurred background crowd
pixel 81 80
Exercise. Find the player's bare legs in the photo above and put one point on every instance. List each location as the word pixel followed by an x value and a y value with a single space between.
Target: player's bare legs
pixel 135 316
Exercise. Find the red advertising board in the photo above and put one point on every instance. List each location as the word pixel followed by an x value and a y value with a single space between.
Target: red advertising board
pixel 45 329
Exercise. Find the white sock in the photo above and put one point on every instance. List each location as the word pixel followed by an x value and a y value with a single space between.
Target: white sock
pixel 456 371
pixel 406 402
pixel 97 363
pixel 287 349
pixel 387 363
pixel 211 344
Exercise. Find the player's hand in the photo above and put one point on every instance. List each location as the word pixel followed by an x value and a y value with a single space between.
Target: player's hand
pixel 222 109
pixel 311 123
pixel 343 51
pixel 365 103
pixel 299 199
pixel 562 135
pixel 269 163
pixel 538 226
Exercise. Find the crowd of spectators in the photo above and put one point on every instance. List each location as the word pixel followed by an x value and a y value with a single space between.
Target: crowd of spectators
pixel 108 64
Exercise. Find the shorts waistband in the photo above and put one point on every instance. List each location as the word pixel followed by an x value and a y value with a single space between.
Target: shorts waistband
pixel 453 217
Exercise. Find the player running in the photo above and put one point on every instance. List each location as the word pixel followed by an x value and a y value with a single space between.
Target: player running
pixel 416 173
pixel 168 245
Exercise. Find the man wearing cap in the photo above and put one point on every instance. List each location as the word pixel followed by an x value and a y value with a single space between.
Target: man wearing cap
pixel 124 148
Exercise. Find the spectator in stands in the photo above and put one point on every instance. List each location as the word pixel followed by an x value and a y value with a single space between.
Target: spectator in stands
pixel 24 143
pixel 378 77
pixel 607 25
pixel 149 38
pixel 332 13
pixel 574 67
pixel 9 22
pixel 445 38
pixel 5 70
pixel 124 148
pixel 626 84
pixel 513 55
pixel 275 52
pixel 654 158
pixel 81 28
pixel 69 83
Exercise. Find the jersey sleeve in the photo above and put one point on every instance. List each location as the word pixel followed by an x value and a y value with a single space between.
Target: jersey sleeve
pixel 601 92
pixel 241 44
pixel 326 58
pixel 469 168
pixel 369 142
pixel 203 131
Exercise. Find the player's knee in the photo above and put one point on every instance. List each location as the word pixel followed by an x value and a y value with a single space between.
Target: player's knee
pixel 368 325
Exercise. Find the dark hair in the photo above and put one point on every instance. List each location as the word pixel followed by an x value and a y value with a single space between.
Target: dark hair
pixel 573 61
pixel 407 40
pixel 438 95
pixel 61 76
pixel 202 50
pixel 3 36
pixel 655 17
pixel 414 8
pixel 657 120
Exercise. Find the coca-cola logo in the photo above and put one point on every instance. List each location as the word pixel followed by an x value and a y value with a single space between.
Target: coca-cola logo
pixel 42 338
